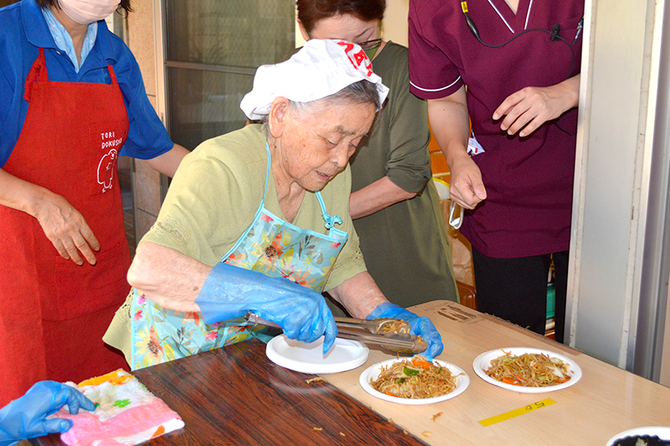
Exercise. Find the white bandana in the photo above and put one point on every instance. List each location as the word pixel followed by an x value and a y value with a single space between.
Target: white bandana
pixel 319 69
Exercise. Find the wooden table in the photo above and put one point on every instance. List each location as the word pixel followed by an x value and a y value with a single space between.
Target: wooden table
pixel 604 402
pixel 236 396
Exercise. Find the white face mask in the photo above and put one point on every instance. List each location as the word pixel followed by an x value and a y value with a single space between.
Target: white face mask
pixel 88 11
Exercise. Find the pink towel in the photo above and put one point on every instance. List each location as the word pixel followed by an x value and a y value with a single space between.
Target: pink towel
pixel 126 413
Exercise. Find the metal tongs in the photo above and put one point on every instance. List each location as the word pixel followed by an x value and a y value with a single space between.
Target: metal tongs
pixel 393 334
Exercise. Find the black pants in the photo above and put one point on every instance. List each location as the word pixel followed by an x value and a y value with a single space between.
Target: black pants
pixel 516 289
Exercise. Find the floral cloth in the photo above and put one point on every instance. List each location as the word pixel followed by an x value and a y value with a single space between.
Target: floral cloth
pixel 270 246
pixel 126 413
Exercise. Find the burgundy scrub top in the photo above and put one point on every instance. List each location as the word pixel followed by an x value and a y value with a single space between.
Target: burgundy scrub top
pixel 528 180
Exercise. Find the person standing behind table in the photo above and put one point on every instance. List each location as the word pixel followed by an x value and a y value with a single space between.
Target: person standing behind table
pixel 394 204
pixel 71 101
pixel 521 97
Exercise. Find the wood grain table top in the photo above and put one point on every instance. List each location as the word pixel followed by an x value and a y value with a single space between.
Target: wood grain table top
pixel 236 396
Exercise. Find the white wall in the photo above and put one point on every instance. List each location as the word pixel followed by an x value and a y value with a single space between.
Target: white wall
pixel 615 138
pixel 395 21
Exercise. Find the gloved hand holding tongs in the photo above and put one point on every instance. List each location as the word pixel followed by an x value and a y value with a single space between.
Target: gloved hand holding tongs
pixel 421 326
pixel 396 329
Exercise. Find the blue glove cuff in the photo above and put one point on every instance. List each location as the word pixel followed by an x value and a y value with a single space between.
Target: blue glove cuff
pixel 380 309
pixel 216 298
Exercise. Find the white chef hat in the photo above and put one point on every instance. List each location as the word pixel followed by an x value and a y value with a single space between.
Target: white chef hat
pixel 319 69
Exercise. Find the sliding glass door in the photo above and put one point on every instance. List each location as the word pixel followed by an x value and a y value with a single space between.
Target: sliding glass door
pixel 212 50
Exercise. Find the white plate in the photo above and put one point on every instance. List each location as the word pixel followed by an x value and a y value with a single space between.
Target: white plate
pixel 661 432
pixel 373 372
pixel 483 362
pixel 309 358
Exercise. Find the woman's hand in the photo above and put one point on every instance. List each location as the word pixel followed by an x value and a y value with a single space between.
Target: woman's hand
pixel 465 186
pixel 66 228
pixel 421 326
pixel 63 225
pixel 527 109
pixel 451 127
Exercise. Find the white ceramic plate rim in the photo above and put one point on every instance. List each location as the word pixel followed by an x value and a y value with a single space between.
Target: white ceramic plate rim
pixel 373 372
pixel 483 362
pixel 316 366
pixel 661 432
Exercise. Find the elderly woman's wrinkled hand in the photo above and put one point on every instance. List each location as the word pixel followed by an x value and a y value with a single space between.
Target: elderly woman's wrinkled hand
pixel 229 292
pixel 420 326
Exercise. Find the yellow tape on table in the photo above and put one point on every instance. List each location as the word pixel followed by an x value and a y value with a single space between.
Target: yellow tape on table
pixel 517 412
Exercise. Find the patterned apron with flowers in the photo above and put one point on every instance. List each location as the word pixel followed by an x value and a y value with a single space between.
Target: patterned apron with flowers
pixel 270 246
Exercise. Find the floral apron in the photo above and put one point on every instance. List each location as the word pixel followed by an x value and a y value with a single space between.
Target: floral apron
pixel 270 246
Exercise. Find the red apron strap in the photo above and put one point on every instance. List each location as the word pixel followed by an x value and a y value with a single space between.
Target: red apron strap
pixel 112 75
pixel 38 72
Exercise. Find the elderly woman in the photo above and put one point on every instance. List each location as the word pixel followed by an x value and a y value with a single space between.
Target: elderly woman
pixel 72 101
pixel 258 220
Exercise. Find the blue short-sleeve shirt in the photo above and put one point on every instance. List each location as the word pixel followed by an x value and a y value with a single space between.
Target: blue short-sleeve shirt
pixel 23 30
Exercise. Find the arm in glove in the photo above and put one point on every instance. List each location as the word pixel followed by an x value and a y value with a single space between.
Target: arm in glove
pixel 26 417
pixel 230 292
pixel 420 326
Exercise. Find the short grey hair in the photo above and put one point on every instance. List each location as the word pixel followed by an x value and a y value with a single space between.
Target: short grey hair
pixel 361 92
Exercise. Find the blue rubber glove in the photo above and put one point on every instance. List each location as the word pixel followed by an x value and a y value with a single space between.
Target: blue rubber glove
pixel 26 417
pixel 419 326
pixel 229 292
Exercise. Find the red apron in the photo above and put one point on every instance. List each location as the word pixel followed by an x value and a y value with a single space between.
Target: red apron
pixel 54 313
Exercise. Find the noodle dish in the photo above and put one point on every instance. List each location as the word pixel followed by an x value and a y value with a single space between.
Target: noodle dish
pixel 527 370
pixel 414 380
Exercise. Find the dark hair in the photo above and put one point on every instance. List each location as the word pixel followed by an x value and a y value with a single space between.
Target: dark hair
pixel 125 4
pixel 311 11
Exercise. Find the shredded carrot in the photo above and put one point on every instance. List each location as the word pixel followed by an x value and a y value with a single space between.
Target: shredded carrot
pixel 423 364
pixel 391 394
